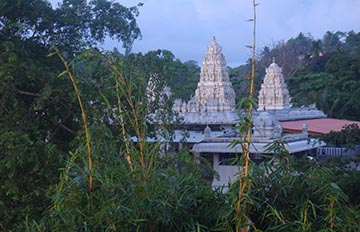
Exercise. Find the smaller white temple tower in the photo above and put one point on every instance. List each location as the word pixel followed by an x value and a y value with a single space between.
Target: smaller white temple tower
pixel 274 94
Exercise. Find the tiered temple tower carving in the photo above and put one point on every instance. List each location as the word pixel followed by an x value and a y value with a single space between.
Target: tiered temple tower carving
pixel 274 94
pixel 214 92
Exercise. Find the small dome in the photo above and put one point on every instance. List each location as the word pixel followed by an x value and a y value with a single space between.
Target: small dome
pixel 266 126
pixel 264 119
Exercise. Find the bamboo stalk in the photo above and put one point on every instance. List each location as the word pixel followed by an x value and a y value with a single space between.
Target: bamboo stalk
pixel 83 115
pixel 247 139
pixel 119 83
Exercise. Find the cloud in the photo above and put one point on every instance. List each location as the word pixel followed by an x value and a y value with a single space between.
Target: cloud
pixel 186 27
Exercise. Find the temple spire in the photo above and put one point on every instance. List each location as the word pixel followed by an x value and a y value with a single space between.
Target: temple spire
pixel 273 94
pixel 214 91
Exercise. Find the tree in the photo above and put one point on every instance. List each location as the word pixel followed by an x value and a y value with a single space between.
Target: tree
pixel 28 172
pixel 38 109
pixel 181 77
pixel 135 187
pixel 332 41
pixel 300 195
pixel 317 86
pixel 74 25
pixel 240 78
pixel 352 42
pixel 30 78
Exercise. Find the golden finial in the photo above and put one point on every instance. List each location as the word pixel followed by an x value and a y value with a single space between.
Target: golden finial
pixel 273 60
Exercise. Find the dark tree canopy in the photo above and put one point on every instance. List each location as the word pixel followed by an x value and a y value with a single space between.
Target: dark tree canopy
pixel 74 24
pixel 30 88
pixel 39 115
pixel 181 77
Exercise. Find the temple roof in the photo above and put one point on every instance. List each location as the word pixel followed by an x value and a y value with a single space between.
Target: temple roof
pixel 318 126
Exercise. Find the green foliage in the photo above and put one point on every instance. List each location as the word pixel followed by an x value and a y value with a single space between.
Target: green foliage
pixel 240 79
pixel 298 195
pixel 136 188
pixel 317 88
pixel 28 171
pixel 39 117
pixel 170 192
pixel 346 176
pixel 75 24
pixel 32 95
pixel 348 137
pixel 345 170
pixel 181 77
pixel 175 197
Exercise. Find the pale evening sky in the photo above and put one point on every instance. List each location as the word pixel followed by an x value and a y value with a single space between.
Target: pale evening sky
pixel 186 27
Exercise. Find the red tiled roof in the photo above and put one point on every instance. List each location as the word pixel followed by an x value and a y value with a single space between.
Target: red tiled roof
pixel 317 126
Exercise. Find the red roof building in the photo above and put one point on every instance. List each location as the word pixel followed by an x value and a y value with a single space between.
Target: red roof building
pixel 317 126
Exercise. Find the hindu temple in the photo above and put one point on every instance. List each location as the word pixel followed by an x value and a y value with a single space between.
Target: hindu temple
pixel 211 114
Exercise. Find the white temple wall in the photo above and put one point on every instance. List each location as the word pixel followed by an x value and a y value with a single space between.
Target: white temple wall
pixel 227 173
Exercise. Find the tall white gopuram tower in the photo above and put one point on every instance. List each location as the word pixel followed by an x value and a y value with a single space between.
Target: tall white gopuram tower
pixel 214 100
pixel 214 92
pixel 274 94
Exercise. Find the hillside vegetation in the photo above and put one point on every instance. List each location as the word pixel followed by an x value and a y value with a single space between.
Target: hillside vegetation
pixel 325 72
